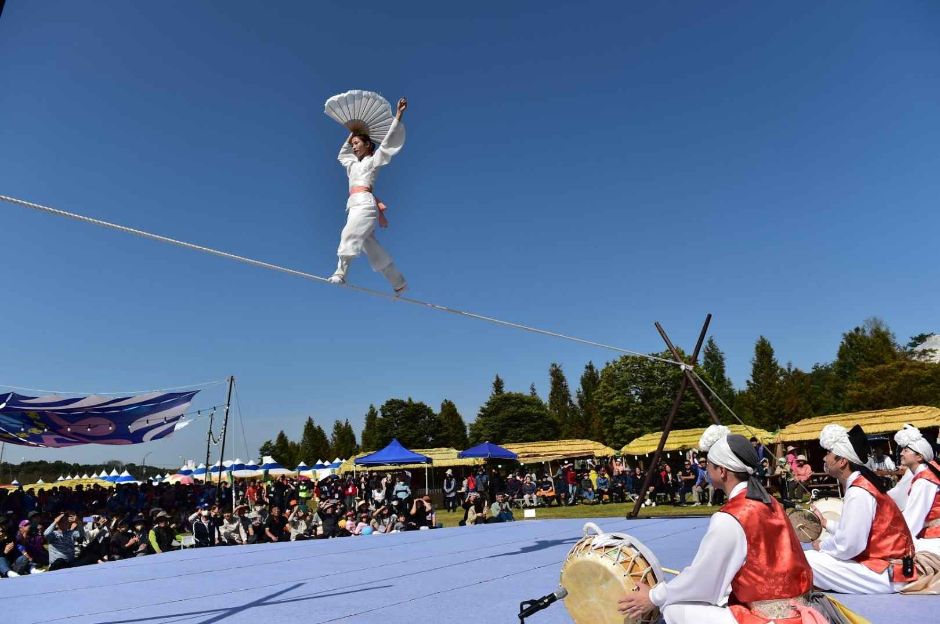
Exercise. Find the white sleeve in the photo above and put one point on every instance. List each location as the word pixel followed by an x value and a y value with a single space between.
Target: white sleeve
pixel 919 502
pixel 394 141
pixel 849 536
pixel 899 492
pixel 346 157
pixel 720 555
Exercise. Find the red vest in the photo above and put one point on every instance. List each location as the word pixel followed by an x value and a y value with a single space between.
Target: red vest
pixel 934 513
pixel 775 566
pixel 889 540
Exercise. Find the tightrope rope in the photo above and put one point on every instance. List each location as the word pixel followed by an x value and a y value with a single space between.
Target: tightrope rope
pixel 317 278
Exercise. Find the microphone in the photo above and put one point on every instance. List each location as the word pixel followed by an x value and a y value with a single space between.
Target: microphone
pixel 530 607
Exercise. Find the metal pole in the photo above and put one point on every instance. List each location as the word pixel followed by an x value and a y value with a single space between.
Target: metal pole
pixel 228 403
pixel 205 477
pixel 676 404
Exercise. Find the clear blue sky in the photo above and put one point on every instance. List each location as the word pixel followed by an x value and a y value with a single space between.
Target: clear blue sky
pixel 589 168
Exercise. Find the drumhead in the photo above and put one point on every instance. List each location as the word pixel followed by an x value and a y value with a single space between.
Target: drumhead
pixel 805 524
pixel 599 570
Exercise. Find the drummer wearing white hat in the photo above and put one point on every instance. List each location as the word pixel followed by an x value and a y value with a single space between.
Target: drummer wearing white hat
pixel 749 567
pixel 869 550
pixel 920 498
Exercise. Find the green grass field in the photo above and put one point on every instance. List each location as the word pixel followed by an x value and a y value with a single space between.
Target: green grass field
pixel 612 510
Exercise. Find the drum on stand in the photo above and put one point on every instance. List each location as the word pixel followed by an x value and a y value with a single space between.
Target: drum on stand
pixel 600 569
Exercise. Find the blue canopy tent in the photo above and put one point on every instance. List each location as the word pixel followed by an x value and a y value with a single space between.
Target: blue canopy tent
pixel 394 454
pixel 488 450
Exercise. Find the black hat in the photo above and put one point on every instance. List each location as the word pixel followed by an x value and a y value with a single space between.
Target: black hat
pixel 859 442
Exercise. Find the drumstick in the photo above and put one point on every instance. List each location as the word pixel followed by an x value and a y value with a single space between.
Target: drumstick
pixel 670 571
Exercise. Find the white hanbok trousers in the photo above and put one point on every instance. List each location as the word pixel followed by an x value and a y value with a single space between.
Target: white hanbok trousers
pixel 927 544
pixel 848 577
pixel 359 236
pixel 690 612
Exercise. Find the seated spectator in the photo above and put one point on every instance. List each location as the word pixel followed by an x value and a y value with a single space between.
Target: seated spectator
pixel 529 496
pixel 97 547
pixel 60 538
pixel 204 533
pixel 9 555
pixel 363 523
pixel 258 517
pixel 474 510
pixel 231 530
pixel 299 525
pixel 513 489
pixel 275 529
pixel 603 486
pixel 329 515
pixel 802 475
pixel 124 542
pixel 587 492
pixel 432 515
pixel 546 492
pixel 383 521
pixel 247 526
pixel 418 516
pixel 501 510
pixel 161 536
pixel 29 541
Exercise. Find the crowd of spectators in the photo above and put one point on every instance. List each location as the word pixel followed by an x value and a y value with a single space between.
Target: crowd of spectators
pixel 49 529
pixel 59 527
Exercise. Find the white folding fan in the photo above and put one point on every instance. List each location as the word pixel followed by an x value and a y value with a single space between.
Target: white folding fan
pixel 361 112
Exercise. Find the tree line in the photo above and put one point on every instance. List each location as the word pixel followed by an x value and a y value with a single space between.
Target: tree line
pixel 631 396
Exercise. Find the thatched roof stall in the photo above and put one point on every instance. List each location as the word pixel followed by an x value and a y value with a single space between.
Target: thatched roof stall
pixel 538 452
pixel 872 421
pixel 685 439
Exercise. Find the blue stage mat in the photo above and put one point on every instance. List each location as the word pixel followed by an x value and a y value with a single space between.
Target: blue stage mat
pixel 479 573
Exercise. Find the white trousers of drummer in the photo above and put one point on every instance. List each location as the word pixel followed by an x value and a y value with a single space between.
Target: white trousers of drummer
pixel 848 576
pixel 359 236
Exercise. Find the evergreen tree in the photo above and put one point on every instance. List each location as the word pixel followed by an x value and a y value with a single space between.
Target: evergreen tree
pixel 589 415
pixel 713 367
pixel 370 432
pixel 343 441
pixel 306 453
pixel 321 445
pixel 532 391
pixel 267 448
pixel 867 346
pixel 635 395
pixel 452 424
pixel 498 386
pixel 414 424
pixel 761 401
pixel 513 417
pixel 282 450
pixel 560 405
pixel 796 391
pixel 895 384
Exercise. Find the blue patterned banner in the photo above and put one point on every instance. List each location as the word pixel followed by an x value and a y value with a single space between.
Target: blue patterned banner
pixel 53 421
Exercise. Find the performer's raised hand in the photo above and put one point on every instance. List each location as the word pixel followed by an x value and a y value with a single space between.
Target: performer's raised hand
pixel 402 105
pixel 636 603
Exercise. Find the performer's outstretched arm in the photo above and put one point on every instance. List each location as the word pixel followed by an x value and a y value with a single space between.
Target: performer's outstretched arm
pixel 394 140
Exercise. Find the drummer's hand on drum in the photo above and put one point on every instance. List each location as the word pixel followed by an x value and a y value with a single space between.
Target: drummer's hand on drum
pixel 819 516
pixel 816 544
pixel 636 603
